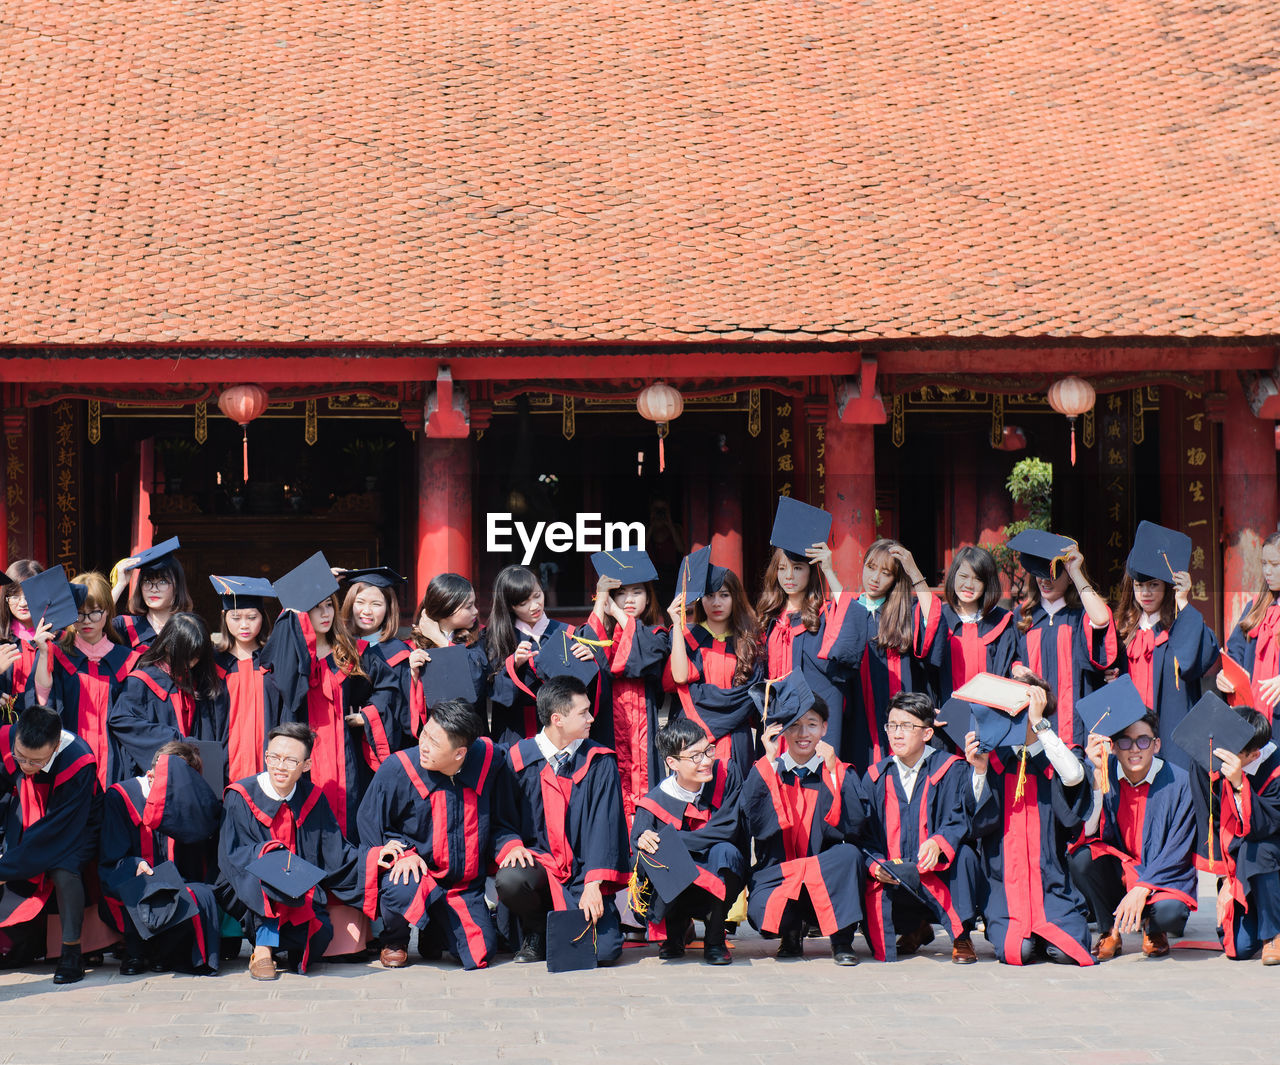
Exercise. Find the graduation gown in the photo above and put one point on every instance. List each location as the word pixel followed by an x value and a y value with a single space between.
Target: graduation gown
pixel 176 822
pixel 82 693
pixel 135 630
pixel 1259 652
pixel 711 829
pixel 13 681
pixel 827 659
pixel 882 673
pixel 319 693
pixel 629 693
pixel 514 692
pixel 723 710
pixel 254 822
pixel 1250 841
pixel 897 826
pixel 51 821
pixel 1072 656
pixel 394 654
pixel 418 711
pixel 573 825
pixel 963 649
pixel 1023 846
pixel 456 825
pixel 150 711
pixel 804 837
pixel 255 707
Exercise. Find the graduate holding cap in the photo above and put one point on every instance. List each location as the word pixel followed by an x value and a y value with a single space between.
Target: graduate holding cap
pixel 17 628
pixel 809 622
pixel 627 621
pixel 447 618
pixel 371 612
pixel 1255 641
pixel 976 634
pixel 1066 633
pixel 712 669
pixel 160 592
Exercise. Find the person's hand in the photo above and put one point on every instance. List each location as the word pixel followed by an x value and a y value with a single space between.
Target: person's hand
pixel 524 651
pixel 1129 913
pixel 354 720
pixel 1111 674
pixel 132 562
pixel 1224 685
pixel 144 869
pixel 879 872
pixel 828 755
pixel 648 841
pixel 9 654
pixel 337 571
pixel 406 866
pixel 581 651
pixel 43 634
pixel 520 856
pixel 1232 767
pixel 769 740
pixel 1182 588
pixel 389 852
pixel 592 902
pixel 614 609
pixel 929 855
pixel 1270 690
pixel 676 611
pixel 418 658
pixel 1097 749
pixel 973 756
pixel 603 601
pixel 1036 707
pixel 819 554
pixel 1074 564
pixel 907 562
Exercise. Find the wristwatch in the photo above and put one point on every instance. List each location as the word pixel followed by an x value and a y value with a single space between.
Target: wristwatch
pixel 1041 726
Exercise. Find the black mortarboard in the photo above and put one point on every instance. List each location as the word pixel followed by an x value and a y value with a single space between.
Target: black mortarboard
pixel 49 597
pixel 378 576
pixel 1001 693
pixel 670 868
pixel 630 567
pixel 158 901
pixel 1040 551
pixel 246 592
pixel 1112 708
pixel 957 720
pixel 190 810
pixel 571 941
pixel 788 699
pixel 995 728
pixel 285 874
pixel 1158 553
pixel 213 763
pixel 797 527
pixel 448 676
pixel 555 658
pixel 307 585
pixel 695 571
pixel 1212 723
pixel 156 556
pixel 907 874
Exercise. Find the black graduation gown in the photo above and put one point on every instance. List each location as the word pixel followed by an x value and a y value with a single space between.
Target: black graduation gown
pixel 1072 656
pixel 456 825
pixel 255 707
pixel 150 711
pixel 514 692
pixel 805 838
pixel 962 650
pixel 394 654
pixel 1250 840
pixel 418 712
pixel 82 693
pixel 135 630
pixel 1258 652
pixel 14 680
pixel 177 822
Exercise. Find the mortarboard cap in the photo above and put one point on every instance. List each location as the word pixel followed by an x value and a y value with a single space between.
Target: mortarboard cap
pixel 571 941
pixel 213 763
pixel 556 659
pixel 907 874
pixel 377 576
pixel 1000 693
pixel 1158 553
pixel 670 868
pixel 1212 723
pixel 306 585
pixel 246 592
pixel 1112 708
pixel 156 556
pixel 957 721
pixel 448 676
pixel 695 571
pixel 158 901
pixel 1040 552
pixel 783 701
pixel 995 728
pixel 797 527
pixel 80 593
pixel 285 874
pixel 630 567
pixel 49 598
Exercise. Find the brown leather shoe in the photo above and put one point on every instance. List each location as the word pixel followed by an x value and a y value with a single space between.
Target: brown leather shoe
pixel 1271 952
pixel 263 967
pixel 1155 944
pixel 394 957
pixel 962 952
pixel 1109 946
pixel 912 941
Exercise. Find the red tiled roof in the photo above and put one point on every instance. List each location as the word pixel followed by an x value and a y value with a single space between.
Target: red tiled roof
pixel 512 170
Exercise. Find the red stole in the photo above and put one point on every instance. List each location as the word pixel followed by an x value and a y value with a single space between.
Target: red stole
pixel 1266 661
pixel 1141 651
pixel 247 731
pixel 781 636
pixel 968 653
pixel 1130 814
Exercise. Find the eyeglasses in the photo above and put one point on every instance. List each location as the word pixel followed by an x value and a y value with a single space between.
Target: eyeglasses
pixel 282 762
pixel 91 615
pixel 16 597
pixel 902 726
pixel 1127 743
pixel 707 754
pixel 28 761
pixel 156 583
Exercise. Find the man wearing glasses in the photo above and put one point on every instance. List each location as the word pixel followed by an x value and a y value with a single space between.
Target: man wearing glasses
pixel 923 872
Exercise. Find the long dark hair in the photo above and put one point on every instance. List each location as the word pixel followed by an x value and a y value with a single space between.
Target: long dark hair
pixel 984 568
pixel 390 621
pixel 18 571
pixel 342 644
pixel 743 626
pixel 1128 614
pixel 512 586
pixel 1262 601
pixel 446 594
pixel 895 630
pixel 773 600
pixel 169 567
pixel 183 638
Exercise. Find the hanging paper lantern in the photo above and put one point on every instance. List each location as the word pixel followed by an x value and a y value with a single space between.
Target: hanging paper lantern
pixel 662 404
pixel 243 403
pixel 1072 396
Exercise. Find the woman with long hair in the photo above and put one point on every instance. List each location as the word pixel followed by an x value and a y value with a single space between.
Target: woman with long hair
pixel 447 617
pixel 18 650
pixel 371 612
pixel 976 634
pixel 1255 641
pixel 160 592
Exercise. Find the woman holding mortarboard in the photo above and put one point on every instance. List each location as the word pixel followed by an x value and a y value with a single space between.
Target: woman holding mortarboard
pixel 160 593
pixel 18 649
pixel 371 612
pixel 447 618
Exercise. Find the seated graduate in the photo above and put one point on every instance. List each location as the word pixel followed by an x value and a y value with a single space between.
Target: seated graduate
pixel 923 870
pixel 1028 797
pixel 162 826
pixel 281 810
pixel 1137 862
pixel 52 813
pixel 699 803
pixel 572 848
pixel 438 808
pixel 804 809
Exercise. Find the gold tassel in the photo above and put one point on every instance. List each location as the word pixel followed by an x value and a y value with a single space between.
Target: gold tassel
pixel 639 892
pixel 1022 777
pixel 1213 779
pixel 591 927
pixel 592 643
pixel 1177 674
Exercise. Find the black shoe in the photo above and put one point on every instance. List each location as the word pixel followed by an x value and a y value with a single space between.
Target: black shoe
pixel 716 954
pixel 534 948
pixel 842 954
pixel 133 966
pixel 792 945
pixel 70 968
pixel 671 948
pixel 429 950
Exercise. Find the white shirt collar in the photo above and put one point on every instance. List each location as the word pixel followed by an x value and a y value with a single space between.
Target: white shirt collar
pixel 1156 764
pixel 903 768
pixel 145 785
pixel 537 630
pixel 64 741
pixel 969 619
pixel 264 782
pixel 813 765
pixel 549 749
pixel 1260 757
pixel 1149 621
pixel 1052 606
pixel 672 788
pixel 872 605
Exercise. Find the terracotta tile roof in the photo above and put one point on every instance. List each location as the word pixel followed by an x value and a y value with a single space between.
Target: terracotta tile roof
pixel 511 170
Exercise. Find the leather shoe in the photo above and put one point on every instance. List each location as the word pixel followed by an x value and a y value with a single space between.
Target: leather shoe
pixel 263 968
pixel 1271 952
pixel 842 954
pixel 912 941
pixel 1108 946
pixel 716 954
pixel 394 957
pixel 792 945
pixel 671 948
pixel 534 948
pixel 133 966
pixel 1155 944
pixel 962 952
pixel 70 968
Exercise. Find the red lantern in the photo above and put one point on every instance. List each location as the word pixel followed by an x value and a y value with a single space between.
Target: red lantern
pixel 662 404
pixel 1072 396
pixel 243 403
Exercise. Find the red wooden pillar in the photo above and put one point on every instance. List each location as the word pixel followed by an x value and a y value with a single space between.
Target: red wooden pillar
pixel 726 522
pixel 444 508
pixel 1248 494
pixel 851 493
pixel 141 530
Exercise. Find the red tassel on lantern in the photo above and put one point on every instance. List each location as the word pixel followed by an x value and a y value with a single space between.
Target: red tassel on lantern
pixel 662 404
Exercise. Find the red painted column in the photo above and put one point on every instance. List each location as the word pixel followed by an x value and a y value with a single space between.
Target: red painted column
pixel 851 494
pixel 141 530
pixel 726 522
pixel 1248 495
pixel 444 508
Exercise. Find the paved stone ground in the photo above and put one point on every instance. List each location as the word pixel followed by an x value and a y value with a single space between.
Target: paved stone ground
pixel 1193 1006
